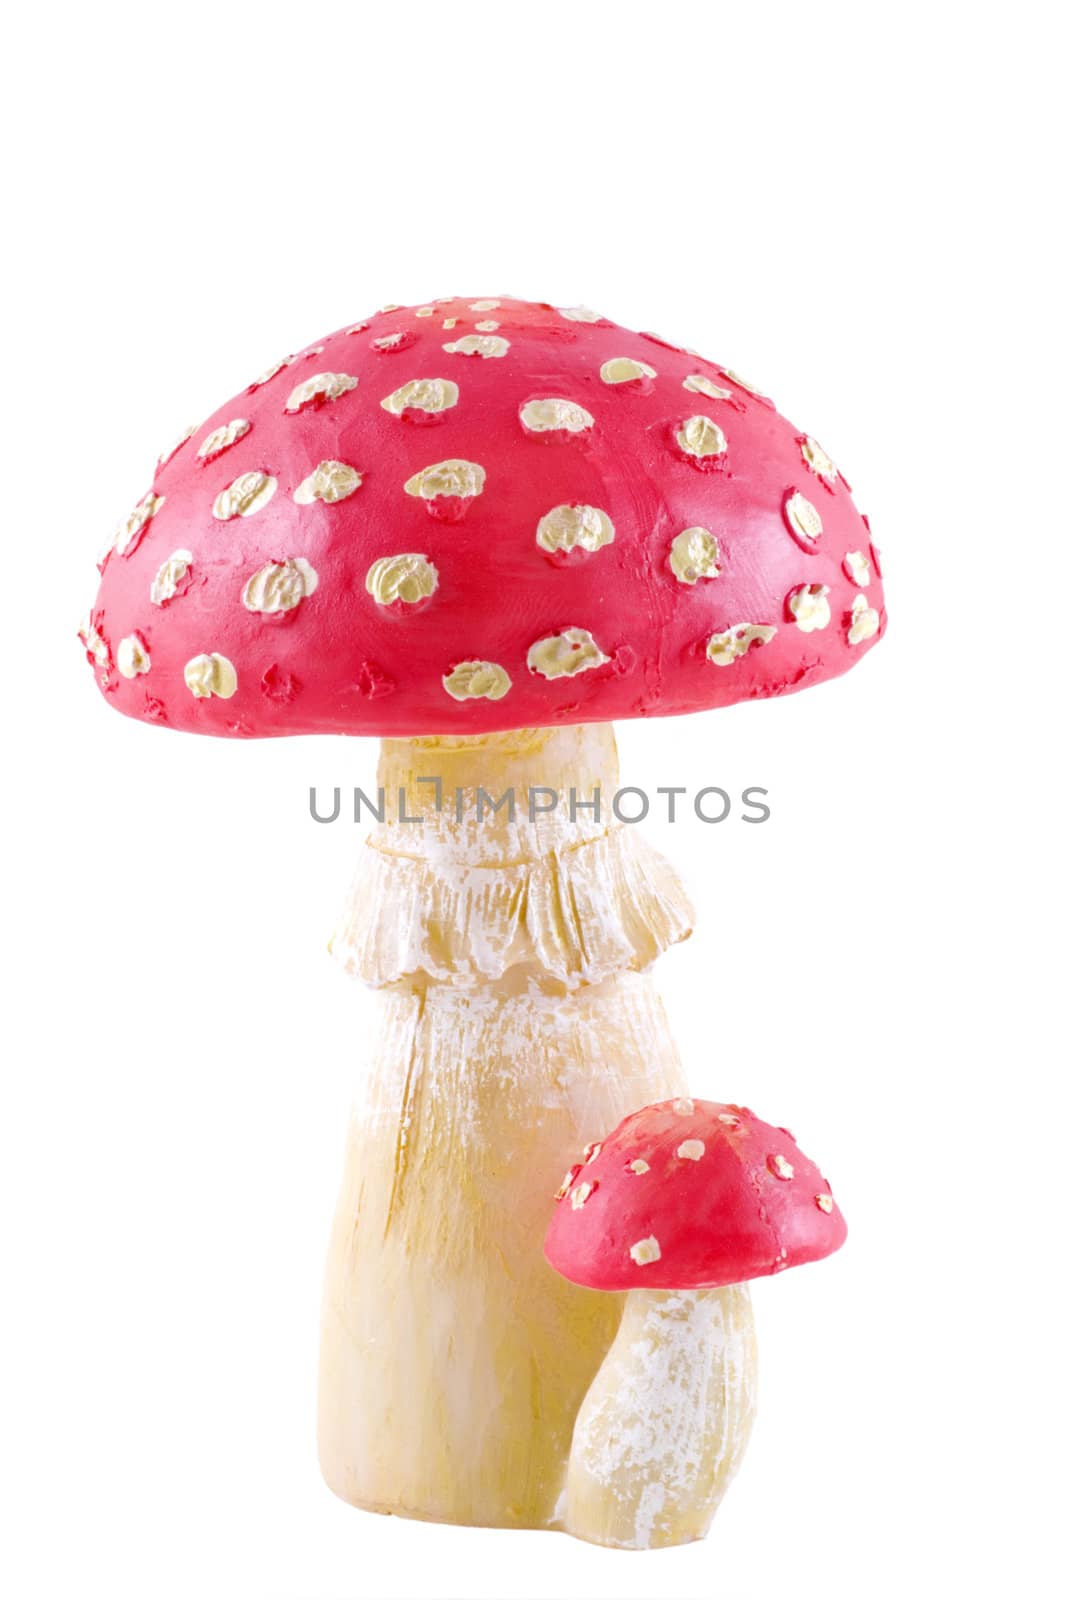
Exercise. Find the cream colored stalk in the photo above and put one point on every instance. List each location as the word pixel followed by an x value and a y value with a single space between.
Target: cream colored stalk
pixel 518 1022
pixel 665 1424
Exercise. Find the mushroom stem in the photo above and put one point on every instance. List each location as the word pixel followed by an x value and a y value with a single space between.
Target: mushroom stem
pixel 665 1424
pixel 518 1022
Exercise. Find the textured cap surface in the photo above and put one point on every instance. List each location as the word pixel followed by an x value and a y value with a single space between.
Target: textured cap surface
pixel 477 515
pixel 691 1194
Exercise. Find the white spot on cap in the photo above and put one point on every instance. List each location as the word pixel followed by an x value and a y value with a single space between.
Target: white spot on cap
pixel 279 586
pixel 422 394
pixel 563 655
pixel 571 527
pixel 477 680
pixel 555 415
pixel 131 656
pixel 694 555
pixel 170 577
pixel 701 438
pixel 780 1167
pixel 684 1108
pixel 644 1251
pixel 817 459
pixel 488 326
pixel 639 1166
pixel 247 495
pixel 579 314
pixel 622 369
pixel 129 533
pixel 692 1150
pixel 725 648
pixel 425 311
pixel 96 645
pixel 566 1183
pixel 323 386
pixel 222 438
pixel 488 345
pixel 407 577
pixel 270 372
pixel 698 384
pixel 462 479
pixel 330 482
pixel 741 383
pixel 857 568
pixel 581 1195
pixel 809 605
pixel 803 520
pixel 208 675
pixel 591 1150
pixel 485 305
pixel 864 621
pixel 824 1202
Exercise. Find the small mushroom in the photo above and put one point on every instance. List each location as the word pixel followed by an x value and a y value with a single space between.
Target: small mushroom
pixel 685 1203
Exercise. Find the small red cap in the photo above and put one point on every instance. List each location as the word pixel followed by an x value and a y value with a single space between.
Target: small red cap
pixel 692 1194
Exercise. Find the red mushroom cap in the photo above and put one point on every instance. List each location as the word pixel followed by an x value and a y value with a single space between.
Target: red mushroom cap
pixel 477 515
pixel 691 1194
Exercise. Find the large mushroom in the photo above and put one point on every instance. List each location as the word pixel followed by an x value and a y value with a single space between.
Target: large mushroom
pixel 681 1206
pixel 481 530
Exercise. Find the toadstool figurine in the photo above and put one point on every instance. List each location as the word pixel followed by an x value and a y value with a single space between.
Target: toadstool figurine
pixel 681 1206
pixel 481 530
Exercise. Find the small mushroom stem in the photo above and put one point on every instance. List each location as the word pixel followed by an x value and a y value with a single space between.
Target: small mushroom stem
pixel 519 1021
pixel 665 1424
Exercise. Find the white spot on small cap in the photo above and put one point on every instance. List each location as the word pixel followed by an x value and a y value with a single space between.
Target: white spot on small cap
pixel 581 1195
pixel 488 345
pixel 698 384
pixel 248 494
pixel 857 568
pixel 694 555
pixel 408 577
pixel 622 369
pixel 323 386
pixel 171 578
pixel 824 1202
pixel 330 482
pixel 725 648
pixel 684 1108
pixel 477 680
pixel 131 656
pixel 809 605
pixel 644 1251
pixel 210 674
pixel 781 1167
pixel 555 415
pixel 639 1166
pixel 692 1150
pixel 817 459
pixel 701 438
pixel 572 527
pixel 864 621
pixel 804 522
pixel 279 586
pixel 430 395
pixel 563 655
pixel 222 438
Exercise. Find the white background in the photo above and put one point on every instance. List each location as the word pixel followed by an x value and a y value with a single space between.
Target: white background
pixel 858 207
